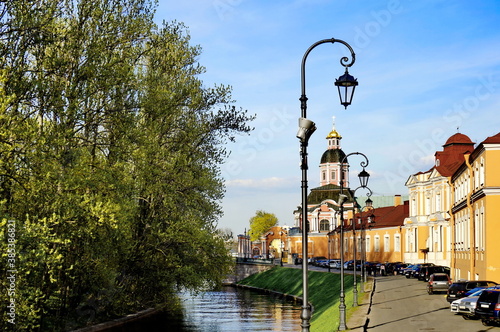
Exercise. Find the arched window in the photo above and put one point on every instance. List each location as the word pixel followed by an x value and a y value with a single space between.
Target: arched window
pixel 387 243
pixel 397 243
pixel 324 225
pixel 376 245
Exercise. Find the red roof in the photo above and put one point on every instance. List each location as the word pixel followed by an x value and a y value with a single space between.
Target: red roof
pixel 492 139
pixel 388 216
pixel 452 155
pixel 458 138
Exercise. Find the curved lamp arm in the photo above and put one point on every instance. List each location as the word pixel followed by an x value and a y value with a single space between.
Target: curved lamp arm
pixel 344 61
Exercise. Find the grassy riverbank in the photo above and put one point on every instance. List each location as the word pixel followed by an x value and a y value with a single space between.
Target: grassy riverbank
pixel 324 290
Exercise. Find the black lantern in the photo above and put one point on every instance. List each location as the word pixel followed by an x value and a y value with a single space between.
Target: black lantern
pixel 363 178
pixel 369 203
pixel 371 220
pixel 346 85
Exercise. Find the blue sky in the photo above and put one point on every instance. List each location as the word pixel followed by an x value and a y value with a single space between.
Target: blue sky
pixel 424 68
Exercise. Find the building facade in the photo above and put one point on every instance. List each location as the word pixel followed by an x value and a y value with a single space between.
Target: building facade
pixel 427 230
pixel 476 214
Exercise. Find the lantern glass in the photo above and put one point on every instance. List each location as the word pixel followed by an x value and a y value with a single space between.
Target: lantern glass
pixel 346 85
pixel 363 178
pixel 369 203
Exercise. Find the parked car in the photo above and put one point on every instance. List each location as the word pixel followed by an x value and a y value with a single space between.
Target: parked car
pixel 438 282
pixel 488 307
pixel 458 289
pixel 406 268
pixel 335 263
pixel 349 265
pixel 466 306
pixel 315 260
pixel 415 269
pixel 400 267
pixel 426 271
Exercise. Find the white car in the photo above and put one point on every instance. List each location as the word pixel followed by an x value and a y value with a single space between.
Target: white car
pixel 465 306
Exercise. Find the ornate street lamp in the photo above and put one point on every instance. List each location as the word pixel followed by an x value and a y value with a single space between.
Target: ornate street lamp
pixel 364 182
pixel 363 179
pixel 368 205
pixel 346 86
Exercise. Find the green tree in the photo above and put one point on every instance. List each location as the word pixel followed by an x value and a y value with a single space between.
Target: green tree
pixel 110 154
pixel 261 223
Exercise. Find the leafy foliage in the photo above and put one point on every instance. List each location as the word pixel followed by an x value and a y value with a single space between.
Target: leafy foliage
pixel 261 223
pixel 110 147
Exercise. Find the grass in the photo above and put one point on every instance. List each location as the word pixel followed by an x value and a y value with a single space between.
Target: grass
pixel 324 291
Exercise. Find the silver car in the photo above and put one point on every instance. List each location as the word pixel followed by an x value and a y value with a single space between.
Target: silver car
pixel 466 306
pixel 438 282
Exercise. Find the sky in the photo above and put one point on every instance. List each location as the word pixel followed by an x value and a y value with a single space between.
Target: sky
pixel 426 70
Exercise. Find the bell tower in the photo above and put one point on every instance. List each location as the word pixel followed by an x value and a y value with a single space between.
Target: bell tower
pixel 329 168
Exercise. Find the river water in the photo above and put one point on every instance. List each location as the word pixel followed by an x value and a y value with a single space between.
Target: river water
pixel 233 309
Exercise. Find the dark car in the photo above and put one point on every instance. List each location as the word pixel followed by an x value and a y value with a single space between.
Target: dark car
pixel 488 307
pixel 415 269
pixel 426 271
pixel 458 289
pixel 315 260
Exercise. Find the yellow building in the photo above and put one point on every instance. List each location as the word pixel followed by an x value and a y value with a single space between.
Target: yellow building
pixel 427 230
pixel 475 213
pixel 378 233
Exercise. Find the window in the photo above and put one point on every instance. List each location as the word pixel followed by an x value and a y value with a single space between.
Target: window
pixel 438 203
pixel 367 242
pixel 324 225
pixel 377 244
pixel 441 238
pixel 481 173
pixel 333 175
pixel 397 243
pixel 387 243
pixel 324 176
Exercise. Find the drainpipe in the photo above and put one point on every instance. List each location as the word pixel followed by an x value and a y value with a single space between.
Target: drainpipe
pixel 452 240
pixel 472 226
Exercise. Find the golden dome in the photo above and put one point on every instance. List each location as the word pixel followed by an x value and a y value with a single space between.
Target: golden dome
pixel 334 134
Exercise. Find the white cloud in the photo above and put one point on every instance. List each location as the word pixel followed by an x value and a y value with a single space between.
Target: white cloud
pixel 266 183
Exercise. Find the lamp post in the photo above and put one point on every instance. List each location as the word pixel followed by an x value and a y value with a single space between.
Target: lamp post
pixel 371 223
pixel 368 205
pixel 282 246
pixel 363 179
pixel 346 85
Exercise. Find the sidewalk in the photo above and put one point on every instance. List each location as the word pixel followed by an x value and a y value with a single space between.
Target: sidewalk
pixel 358 320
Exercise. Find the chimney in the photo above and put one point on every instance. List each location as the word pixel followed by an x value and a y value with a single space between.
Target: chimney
pixel 397 200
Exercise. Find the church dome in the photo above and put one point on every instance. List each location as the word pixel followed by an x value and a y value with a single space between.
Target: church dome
pixel 333 156
pixel 458 138
pixel 334 134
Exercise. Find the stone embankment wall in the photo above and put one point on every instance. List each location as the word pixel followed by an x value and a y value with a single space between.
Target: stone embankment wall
pixel 241 271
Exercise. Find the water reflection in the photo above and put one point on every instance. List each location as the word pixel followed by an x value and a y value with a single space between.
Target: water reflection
pixel 238 310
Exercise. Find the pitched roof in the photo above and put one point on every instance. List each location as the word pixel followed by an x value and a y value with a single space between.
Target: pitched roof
pixel 492 139
pixel 389 216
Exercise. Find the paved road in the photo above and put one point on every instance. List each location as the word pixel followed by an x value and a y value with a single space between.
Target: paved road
pixel 400 304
